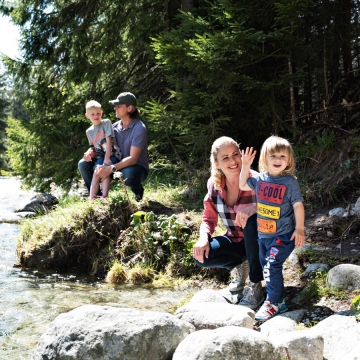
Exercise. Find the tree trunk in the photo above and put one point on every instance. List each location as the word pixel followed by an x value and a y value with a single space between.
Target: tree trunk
pixel 346 34
pixel 292 97
pixel 186 5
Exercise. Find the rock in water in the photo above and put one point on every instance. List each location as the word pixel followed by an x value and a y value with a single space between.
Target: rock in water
pixel 346 276
pixel 94 332
pixel 38 202
pixel 226 343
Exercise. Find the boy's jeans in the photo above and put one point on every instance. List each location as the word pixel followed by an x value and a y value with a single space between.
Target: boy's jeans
pixel 227 254
pixel 273 253
pixel 135 175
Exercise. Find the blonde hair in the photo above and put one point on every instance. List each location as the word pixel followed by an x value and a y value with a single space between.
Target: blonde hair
pixel 92 104
pixel 275 144
pixel 217 174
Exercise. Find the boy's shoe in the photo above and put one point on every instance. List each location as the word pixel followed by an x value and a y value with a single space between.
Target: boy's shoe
pixel 267 311
pixel 282 306
pixel 253 295
pixel 240 274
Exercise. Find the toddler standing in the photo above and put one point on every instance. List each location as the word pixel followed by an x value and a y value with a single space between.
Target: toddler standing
pixel 101 137
pixel 280 215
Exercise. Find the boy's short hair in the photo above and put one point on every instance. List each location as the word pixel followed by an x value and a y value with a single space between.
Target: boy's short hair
pixel 92 104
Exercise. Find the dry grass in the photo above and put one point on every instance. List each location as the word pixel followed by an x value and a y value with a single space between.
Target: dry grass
pixel 117 274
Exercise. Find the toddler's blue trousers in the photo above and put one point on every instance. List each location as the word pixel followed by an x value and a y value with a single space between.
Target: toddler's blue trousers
pixel 273 253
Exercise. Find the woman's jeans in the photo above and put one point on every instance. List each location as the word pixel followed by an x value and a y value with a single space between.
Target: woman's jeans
pixel 227 254
pixel 133 175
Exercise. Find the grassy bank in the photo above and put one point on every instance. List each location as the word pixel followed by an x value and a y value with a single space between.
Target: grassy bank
pixel 121 239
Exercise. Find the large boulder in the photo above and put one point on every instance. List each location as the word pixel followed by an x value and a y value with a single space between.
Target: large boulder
pixel 300 345
pixel 215 315
pixel 208 295
pixel 346 276
pixel 233 297
pixel 94 332
pixel 341 335
pixel 226 343
pixel 277 326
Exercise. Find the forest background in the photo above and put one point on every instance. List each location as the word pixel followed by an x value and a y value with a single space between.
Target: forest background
pixel 200 69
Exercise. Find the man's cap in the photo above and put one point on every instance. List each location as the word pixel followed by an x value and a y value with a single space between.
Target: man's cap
pixel 124 98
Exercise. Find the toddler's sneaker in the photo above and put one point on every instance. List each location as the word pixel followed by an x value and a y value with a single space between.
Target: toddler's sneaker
pixel 267 311
pixel 282 306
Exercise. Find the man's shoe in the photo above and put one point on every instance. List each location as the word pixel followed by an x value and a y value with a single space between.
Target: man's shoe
pixel 139 196
pixel 267 311
pixel 253 295
pixel 240 274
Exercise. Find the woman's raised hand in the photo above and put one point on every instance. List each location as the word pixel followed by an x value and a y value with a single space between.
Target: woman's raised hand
pixel 247 157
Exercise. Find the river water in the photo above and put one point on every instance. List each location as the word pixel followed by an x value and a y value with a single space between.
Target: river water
pixel 31 299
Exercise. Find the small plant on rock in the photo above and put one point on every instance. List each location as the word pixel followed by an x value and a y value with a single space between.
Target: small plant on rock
pixel 356 307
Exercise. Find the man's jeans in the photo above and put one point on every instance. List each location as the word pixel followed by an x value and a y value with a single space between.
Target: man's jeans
pixel 227 254
pixel 133 175
pixel 273 253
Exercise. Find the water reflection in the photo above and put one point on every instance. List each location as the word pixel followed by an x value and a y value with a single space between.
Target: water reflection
pixel 30 299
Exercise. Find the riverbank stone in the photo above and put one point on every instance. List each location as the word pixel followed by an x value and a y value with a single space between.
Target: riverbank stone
pixel 315 268
pixel 301 345
pixel 346 276
pixel 214 315
pixel 341 335
pixel 295 315
pixel 208 295
pixel 293 258
pixel 233 297
pixel 226 343
pixel 94 332
pixel 277 326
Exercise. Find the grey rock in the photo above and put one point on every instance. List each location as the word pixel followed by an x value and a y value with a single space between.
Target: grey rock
pixel 208 295
pixel 345 313
pixel 345 275
pixel 341 334
pixel 354 355
pixel 93 332
pixel 215 315
pixel 295 315
pixel 357 207
pixel 277 326
pixel 226 343
pixel 314 268
pixel 301 345
pixel 38 202
pixel 233 297
pixel 339 212
pixel 329 234
pixel 293 258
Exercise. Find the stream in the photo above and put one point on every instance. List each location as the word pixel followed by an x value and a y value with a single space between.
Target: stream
pixel 31 299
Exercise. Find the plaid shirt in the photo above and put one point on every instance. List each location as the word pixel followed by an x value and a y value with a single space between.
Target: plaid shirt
pixel 214 205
